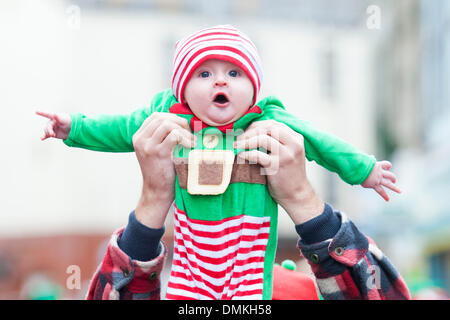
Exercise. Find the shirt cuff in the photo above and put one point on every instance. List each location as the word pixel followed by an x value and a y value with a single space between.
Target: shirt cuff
pixel 323 227
pixel 75 123
pixel 139 241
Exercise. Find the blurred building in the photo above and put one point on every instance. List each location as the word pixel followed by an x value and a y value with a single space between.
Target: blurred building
pixel 413 100
pixel 435 84
pixel 398 83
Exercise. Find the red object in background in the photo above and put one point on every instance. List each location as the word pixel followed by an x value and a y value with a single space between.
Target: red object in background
pixel 292 285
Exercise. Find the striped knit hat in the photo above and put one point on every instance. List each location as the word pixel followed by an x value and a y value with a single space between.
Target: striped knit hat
pixel 222 42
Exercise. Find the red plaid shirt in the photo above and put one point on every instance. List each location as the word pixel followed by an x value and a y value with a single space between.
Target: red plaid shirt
pixel 348 266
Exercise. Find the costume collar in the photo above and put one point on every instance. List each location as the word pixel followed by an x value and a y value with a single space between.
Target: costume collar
pixel 197 125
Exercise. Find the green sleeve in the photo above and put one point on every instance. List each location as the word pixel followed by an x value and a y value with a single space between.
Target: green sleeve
pixel 114 133
pixel 330 152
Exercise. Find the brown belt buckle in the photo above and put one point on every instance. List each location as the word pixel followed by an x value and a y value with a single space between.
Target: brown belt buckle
pixel 209 171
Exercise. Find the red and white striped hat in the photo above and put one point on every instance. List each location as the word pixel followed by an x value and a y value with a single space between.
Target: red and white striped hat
pixel 223 42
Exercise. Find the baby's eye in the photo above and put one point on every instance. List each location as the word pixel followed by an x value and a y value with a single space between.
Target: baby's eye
pixel 205 74
pixel 233 73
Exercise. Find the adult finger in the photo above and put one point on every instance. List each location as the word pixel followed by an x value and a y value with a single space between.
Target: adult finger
pixel 255 129
pixel 285 135
pixel 174 137
pixel 160 116
pixel 255 156
pixel 260 141
pixel 150 124
pixel 275 129
pixel 165 127
pixel 182 122
pixel 145 130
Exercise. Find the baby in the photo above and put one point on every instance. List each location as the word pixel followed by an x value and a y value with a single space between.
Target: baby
pixel 224 217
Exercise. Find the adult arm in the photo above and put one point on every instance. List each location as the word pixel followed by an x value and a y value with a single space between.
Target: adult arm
pixel 119 276
pixel 347 264
pixel 125 272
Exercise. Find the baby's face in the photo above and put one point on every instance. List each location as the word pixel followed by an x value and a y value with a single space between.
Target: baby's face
pixel 219 92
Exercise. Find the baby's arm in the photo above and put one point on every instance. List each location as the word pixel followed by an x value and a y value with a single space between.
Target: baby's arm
pixel 108 133
pixel 333 153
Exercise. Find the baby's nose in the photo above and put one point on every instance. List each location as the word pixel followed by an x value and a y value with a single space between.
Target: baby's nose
pixel 220 81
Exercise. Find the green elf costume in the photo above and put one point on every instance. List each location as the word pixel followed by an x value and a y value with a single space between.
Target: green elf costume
pixel 225 244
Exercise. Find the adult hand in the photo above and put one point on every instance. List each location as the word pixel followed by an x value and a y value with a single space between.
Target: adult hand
pixel 153 144
pixel 284 165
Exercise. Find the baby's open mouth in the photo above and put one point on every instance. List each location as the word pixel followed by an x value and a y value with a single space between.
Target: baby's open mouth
pixel 220 98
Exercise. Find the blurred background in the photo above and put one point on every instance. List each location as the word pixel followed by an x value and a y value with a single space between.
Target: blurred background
pixel 375 73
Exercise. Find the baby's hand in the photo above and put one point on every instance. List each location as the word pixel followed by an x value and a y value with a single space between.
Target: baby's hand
pixel 381 177
pixel 58 126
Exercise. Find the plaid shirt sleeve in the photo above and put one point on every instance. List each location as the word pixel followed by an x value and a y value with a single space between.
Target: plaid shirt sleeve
pixel 120 277
pixel 351 266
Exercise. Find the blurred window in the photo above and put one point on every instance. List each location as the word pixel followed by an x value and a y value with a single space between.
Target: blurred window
pixel 435 32
pixel 327 69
